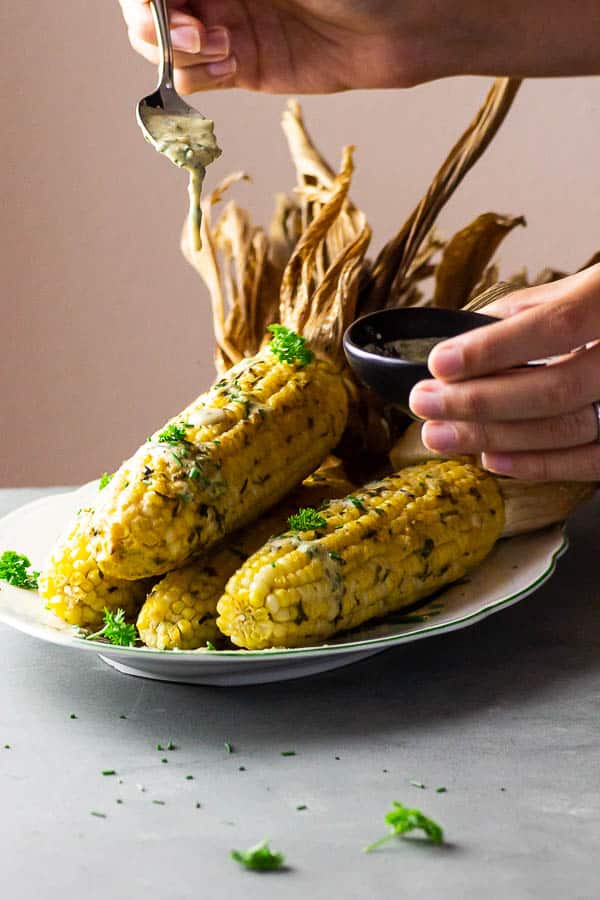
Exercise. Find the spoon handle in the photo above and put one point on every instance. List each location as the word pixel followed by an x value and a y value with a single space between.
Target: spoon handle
pixel 160 14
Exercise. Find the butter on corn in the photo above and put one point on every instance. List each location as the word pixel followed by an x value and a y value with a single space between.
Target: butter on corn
pixel 390 544
pixel 75 588
pixel 181 610
pixel 232 454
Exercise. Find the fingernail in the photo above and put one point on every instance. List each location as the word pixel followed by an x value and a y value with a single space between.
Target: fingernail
pixel 186 38
pixel 216 42
pixel 447 361
pixel 222 68
pixel 500 463
pixel 440 436
pixel 426 401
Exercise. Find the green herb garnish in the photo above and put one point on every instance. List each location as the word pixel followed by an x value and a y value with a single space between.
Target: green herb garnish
pixel 210 645
pixel 99 815
pixel 441 790
pixel 109 772
pixel 288 752
pixel 260 858
pixel 301 807
pixel 14 569
pixel 306 520
pixel 173 434
pixel 289 347
pixel 228 747
pixel 418 784
pixel 401 820
pixel 116 630
pixel 104 480
pixel 357 503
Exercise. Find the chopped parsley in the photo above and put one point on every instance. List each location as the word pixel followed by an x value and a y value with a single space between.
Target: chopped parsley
pixel 289 347
pixel 301 807
pixel 418 784
pixel 14 569
pixel 104 480
pixel 288 753
pixel 173 434
pixel 109 772
pixel 306 520
pixel 260 858
pixel 99 815
pixel 357 503
pixel 401 820
pixel 116 630
pixel 441 790
pixel 228 747
pixel 210 645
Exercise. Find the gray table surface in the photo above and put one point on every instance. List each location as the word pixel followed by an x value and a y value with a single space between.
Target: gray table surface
pixel 504 714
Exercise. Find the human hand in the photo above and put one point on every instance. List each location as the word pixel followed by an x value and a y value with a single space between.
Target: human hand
pixel 309 46
pixel 305 46
pixel 536 423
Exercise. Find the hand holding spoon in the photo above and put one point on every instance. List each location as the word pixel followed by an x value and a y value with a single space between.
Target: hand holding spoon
pixel 174 128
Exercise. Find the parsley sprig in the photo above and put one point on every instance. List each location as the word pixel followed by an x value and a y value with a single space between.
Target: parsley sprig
pixel 14 568
pixel 260 858
pixel 116 630
pixel 401 820
pixel 173 434
pixel 306 520
pixel 104 480
pixel 289 347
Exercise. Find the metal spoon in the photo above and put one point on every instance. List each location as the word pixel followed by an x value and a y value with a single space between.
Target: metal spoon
pixel 174 128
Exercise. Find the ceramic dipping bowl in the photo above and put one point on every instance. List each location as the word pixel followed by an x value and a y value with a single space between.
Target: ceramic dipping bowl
pixel 374 346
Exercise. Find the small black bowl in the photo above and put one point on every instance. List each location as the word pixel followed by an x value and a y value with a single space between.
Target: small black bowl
pixel 393 377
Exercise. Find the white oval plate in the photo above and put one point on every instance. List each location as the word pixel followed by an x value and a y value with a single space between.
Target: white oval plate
pixel 515 568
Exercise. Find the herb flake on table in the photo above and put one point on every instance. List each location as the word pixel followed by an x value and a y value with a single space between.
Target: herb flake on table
pixel 15 569
pixel 418 784
pixel 228 747
pixel 259 858
pixel 109 772
pixel 116 630
pixel 403 820
pixel 288 753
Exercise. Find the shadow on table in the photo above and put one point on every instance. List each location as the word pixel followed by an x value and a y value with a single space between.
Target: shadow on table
pixel 548 642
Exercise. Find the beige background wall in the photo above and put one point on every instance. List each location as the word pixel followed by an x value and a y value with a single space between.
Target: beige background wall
pixel 104 331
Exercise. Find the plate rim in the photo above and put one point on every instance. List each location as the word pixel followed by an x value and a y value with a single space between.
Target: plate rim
pixel 63 638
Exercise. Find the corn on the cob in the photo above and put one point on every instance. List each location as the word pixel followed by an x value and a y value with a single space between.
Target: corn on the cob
pixel 396 541
pixel 232 454
pixel 76 589
pixel 181 610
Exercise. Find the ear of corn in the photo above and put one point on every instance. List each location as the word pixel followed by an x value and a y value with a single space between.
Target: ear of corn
pixel 232 454
pixel 394 542
pixel 181 610
pixel 75 588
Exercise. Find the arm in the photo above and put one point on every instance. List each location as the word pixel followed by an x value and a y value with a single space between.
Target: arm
pixel 309 46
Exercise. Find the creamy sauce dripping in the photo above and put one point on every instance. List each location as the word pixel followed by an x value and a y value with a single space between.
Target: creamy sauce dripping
pixel 189 142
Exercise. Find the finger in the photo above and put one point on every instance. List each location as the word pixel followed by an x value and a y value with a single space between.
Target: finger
pixel 209 76
pixel 554 320
pixel 543 391
pixel 578 464
pixel 560 432
pixel 138 18
pixel 188 34
pixel 215 51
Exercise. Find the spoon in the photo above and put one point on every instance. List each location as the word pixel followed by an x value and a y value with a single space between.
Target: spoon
pixel 174 128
